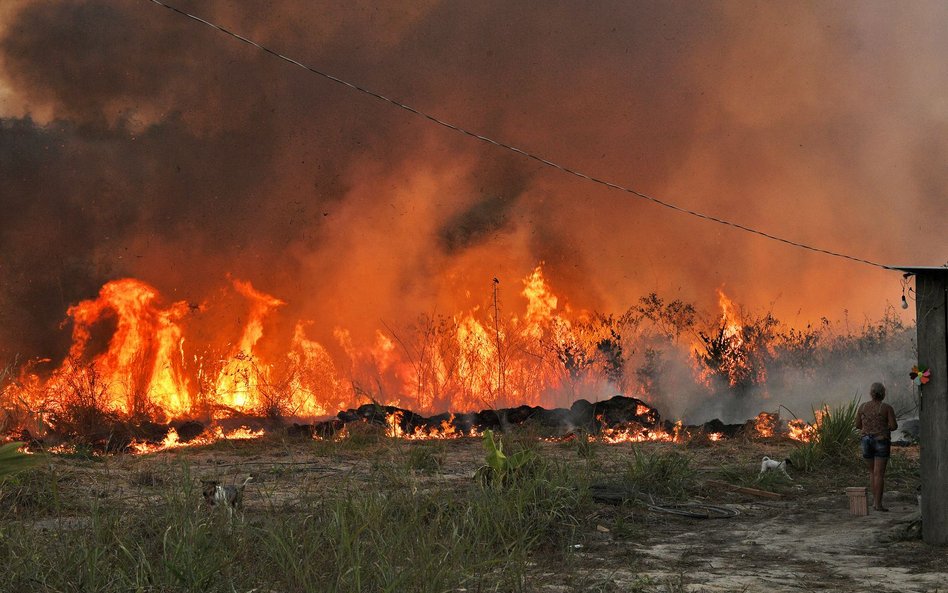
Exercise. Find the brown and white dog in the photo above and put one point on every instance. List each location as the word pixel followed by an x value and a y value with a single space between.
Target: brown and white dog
pixel 228 496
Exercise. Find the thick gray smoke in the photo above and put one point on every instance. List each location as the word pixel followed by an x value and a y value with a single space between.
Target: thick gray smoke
pixel 136 142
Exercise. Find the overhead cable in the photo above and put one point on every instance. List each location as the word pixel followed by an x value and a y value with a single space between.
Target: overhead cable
pixel 520 151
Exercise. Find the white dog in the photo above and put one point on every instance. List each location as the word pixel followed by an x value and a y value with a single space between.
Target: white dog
pixel 769 464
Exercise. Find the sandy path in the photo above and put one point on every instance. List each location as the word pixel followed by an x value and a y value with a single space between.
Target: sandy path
pixel 811 544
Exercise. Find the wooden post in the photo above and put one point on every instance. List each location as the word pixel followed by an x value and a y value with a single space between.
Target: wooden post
pixel 931 310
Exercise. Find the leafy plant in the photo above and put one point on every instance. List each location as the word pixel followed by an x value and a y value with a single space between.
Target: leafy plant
pixel 13 460
pixel 501 467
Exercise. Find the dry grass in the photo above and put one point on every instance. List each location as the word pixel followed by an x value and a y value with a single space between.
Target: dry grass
pixel 373 514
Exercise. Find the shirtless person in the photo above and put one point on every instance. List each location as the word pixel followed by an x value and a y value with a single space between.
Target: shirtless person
pixel 876 420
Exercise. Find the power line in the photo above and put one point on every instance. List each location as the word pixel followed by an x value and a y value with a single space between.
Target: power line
pixel 520 151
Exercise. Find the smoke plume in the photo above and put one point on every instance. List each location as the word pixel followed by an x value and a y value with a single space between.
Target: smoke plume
pixel 136 143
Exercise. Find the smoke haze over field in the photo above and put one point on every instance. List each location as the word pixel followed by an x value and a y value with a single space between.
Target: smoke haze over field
pixel 134 142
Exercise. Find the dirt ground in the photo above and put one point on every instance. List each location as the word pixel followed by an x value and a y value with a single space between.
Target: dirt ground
pixel 807 543
pixel 805 540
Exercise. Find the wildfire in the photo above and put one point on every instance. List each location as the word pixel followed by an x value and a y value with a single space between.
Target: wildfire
pixel 172 440
pixel 630 435
pixel 142 367
pixel 135 356
pixel 765 425
pixel 639 434
pixel 394 424
pixel 393 427
pixel 727 353
pixel 729 320
pixel 800 430
pixel 541 303
pixel 238 383
pixel 147 369
pixel 443 432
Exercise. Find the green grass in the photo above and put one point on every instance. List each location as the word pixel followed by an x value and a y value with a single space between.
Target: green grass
pixel 36 493
pixel 424 457
pixel 667 474
pixel 353 536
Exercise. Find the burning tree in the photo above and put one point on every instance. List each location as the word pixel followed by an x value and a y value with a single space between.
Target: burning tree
pixel 737 352
pixel 663 324
pixel 671 319
pixel 433 353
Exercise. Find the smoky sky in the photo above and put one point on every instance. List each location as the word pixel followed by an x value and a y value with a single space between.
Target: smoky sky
pixel 134 142
pixel 497 193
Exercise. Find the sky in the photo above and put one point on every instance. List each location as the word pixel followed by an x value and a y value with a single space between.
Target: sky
pixel 137 143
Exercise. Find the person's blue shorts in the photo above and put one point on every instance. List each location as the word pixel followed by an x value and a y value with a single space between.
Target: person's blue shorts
pixel 873 447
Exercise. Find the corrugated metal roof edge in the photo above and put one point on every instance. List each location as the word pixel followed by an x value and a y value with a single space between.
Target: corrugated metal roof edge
pixel 917 269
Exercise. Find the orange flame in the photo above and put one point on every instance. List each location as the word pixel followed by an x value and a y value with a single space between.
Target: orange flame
pixel 472 360
pixel 171 440
pixel 238 383
pixel 728 353
pixel 800 430
pixel 765 425
pixel 142 367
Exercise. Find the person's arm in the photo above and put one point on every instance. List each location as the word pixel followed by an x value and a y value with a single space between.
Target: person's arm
pixel 891 418
pixel 859 418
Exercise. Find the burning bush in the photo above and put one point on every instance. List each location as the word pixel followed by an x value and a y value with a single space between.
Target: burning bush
pixel 737 353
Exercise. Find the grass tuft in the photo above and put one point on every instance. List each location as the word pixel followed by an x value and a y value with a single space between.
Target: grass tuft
pixel 661 473
pixel 834 441
pixel 426 458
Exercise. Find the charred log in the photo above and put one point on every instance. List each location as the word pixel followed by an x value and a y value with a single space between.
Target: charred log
pixel 190 430
pixel 301 431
